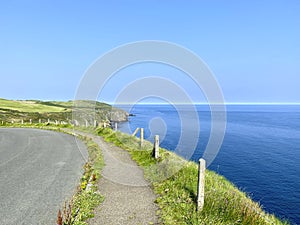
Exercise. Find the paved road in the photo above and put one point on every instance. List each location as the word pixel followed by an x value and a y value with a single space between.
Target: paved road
pixel 39 169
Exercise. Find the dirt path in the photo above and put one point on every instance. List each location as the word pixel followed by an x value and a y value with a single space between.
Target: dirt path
pixel 128 196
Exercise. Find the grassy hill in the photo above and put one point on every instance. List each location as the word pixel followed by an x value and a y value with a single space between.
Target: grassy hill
pixel 34 106
pixel 17 110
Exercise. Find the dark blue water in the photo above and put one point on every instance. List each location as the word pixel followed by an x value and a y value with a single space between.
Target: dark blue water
pixel 260 153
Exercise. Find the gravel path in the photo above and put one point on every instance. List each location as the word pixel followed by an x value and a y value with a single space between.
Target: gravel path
pixel 128 197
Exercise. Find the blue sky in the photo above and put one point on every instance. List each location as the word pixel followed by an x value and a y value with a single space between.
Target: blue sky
pixel 252 47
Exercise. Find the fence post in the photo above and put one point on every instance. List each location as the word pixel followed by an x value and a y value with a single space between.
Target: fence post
pixel 155 152
pixel 116 126
pixel 95 123
pixel 201 183
pixel 142 137
pixel 48 120
pixel 30 121
pixel 135 132
pixel 22 121
pixel 40 121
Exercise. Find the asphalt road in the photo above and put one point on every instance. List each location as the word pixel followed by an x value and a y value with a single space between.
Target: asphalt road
pixel 39 169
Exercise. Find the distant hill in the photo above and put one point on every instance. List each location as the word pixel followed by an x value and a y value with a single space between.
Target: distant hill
pixel 81 111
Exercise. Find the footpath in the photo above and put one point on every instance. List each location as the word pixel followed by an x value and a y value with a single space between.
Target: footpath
pixel 128 196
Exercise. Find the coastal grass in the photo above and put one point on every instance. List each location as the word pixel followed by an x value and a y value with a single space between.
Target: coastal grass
pixel 51 106
pixel 174 180
pixel 15 111
pixel 33 106
pixel 86 199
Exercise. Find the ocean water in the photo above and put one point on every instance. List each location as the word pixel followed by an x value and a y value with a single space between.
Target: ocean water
pixel 260 153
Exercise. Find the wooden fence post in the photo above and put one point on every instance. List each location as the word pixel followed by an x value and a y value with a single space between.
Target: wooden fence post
pixel 142 137
pixel 22 121
pixel 201 183
pixel 135 132
pixel 30 121
pixel 155 152
pixel 95 123
pixel 116 126
pixel 40 121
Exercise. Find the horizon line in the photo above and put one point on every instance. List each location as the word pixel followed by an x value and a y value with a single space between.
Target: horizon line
pixel 202 103
pixel 165 103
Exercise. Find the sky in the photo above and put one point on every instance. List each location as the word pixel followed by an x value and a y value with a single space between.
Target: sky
pixel 251 47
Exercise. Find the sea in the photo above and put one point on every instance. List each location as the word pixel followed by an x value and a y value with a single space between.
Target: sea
pixel 260 152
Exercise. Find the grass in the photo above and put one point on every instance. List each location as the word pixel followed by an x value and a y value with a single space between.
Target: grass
pixel 34 110
pixel 31 106
pixel 174 180
pixel 50 106
pixel 86 199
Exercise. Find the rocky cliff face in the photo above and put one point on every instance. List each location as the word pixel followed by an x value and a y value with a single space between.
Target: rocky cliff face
pixel 107 114
pixel 118 115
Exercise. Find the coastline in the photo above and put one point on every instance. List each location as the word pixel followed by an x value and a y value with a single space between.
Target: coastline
pixel 220 189
pixel 250 157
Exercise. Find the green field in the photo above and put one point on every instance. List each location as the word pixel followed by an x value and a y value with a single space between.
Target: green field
pixel 15 111
pixel 35 106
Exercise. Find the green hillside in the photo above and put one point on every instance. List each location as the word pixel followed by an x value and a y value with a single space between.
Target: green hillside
pixel 34 106
pixel 35 110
